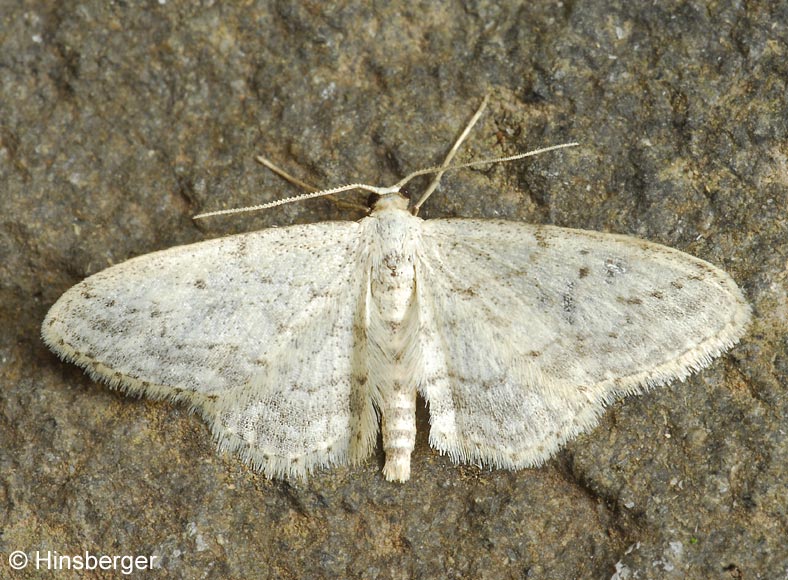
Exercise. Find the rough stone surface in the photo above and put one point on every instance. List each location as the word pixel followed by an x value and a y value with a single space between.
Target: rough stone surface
pixel 118 121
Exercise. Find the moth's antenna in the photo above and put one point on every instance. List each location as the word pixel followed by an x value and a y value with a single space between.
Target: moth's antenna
pixel 452 152
pixel 444 169
pixel 439 170
pixel 308 187
pixel 311 195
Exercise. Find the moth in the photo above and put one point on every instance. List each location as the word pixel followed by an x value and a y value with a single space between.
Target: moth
pixel 298 344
